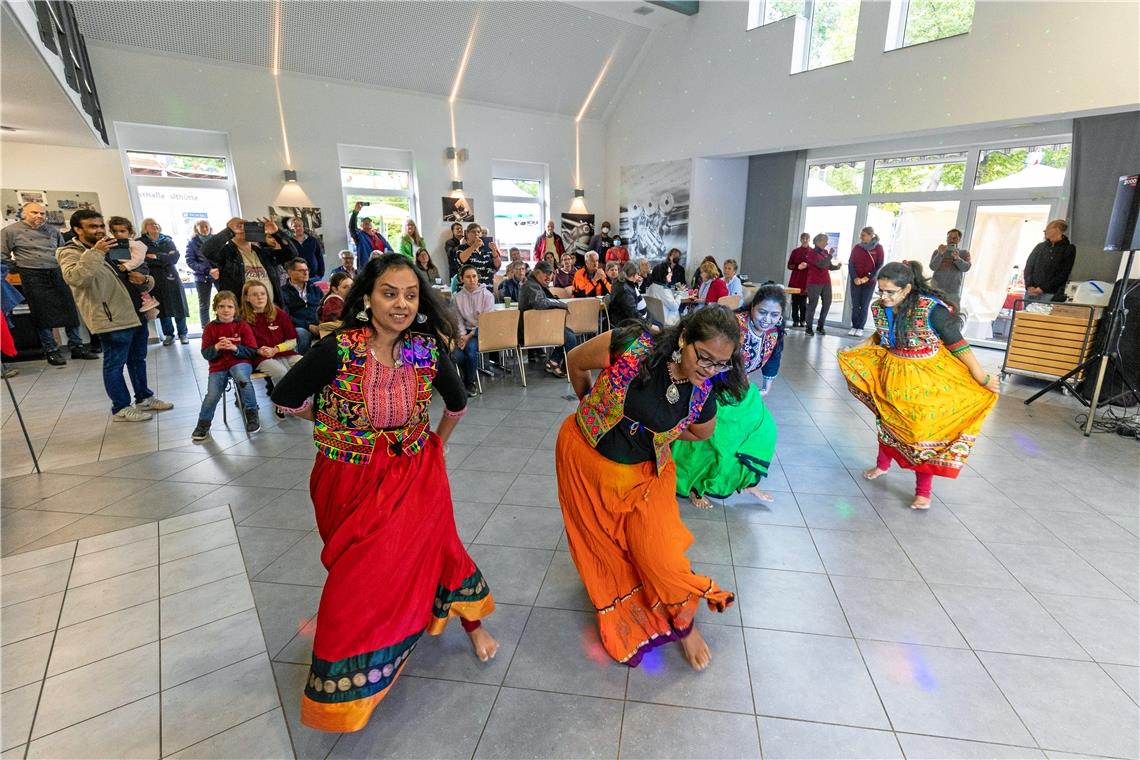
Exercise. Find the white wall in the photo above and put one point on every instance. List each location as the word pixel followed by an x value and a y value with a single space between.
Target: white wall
pixel 706 87
pixel 26 166
pixel 720 188
pixel 139 87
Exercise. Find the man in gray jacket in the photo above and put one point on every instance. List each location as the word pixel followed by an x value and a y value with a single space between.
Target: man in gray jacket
pixel 948 264
pixel 108 298
pixel 535 294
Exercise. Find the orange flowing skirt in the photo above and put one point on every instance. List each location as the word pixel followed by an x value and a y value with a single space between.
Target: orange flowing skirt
pixel 628 542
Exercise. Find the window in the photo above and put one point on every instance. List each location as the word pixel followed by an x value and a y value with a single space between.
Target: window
pixel 916 21
pixel 835 179
pixel 917 174
pixel 838 223
pixel 830 29
pixel 386 194
pixel 1029 166
pixel 912 229
pixel 762 12
pixel 175 166
pixel 518 213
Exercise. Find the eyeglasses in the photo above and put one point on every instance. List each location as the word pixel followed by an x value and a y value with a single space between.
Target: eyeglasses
pixel 889 293
pixel 707 362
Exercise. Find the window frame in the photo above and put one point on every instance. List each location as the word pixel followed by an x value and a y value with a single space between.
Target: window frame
pixel 539 201
pixel 897 23
pixel 409 193
pixel 801 47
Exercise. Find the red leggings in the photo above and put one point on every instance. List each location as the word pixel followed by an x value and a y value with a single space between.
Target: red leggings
pixel 923 481
pixel 469 625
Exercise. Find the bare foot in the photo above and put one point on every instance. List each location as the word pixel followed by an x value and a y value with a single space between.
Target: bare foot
pixel 696 650
pixel 761 495
pixel 700 502
pixel 920 502
pixel 873 473
pixel 483 643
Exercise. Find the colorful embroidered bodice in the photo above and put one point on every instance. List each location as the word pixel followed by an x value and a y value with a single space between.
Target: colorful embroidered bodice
pixel 604 406
pixel 755 350
pixel 344 428
pixel 920 339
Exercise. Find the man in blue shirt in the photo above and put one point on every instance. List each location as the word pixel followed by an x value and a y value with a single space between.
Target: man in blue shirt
pixel 302 300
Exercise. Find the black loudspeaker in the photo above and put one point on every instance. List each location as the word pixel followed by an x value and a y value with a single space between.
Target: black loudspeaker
pixel 1114 391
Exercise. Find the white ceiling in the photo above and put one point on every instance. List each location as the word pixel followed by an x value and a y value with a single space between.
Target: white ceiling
pixel 34 102
pixel 540 55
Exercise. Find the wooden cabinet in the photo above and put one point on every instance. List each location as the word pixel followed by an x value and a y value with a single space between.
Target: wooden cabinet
pixel 1050 345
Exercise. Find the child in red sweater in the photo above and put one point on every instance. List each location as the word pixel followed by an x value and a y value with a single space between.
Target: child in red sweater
pixel 274 336
pixel 229 346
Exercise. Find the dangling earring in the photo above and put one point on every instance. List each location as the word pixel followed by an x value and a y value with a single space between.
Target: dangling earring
pixel 421 318
pixel 676 356
pixel 364 315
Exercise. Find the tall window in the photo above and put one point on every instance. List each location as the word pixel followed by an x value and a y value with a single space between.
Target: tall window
pixel 519 212
pixel 913 22
pixel 831 28
pixel 762 12
pixel 386 193
pixel 1028 166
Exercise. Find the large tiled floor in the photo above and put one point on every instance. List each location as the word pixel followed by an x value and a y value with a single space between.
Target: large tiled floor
pixel 1001 623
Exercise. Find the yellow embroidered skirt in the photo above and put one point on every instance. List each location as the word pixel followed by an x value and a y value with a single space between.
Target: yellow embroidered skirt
pixel 929 410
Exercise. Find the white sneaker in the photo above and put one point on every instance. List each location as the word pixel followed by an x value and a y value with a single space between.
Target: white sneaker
pixel 852 331
pixel 154 404
pixel 131 414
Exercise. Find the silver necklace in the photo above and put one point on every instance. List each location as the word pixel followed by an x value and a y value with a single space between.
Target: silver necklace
pixel 396 355
pixel 673 393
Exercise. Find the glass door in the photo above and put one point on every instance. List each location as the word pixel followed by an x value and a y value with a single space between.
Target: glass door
pixel 838 223
pixel 999 236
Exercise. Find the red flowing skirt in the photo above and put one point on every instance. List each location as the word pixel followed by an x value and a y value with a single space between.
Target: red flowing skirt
pixel 396 568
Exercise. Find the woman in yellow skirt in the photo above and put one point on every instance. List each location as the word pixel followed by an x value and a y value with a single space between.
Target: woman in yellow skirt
pixel 920 378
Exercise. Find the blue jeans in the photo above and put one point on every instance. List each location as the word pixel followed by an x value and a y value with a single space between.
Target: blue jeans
pixel 47 338
pixel 558 355
pixel 204 301
pixel 304 340
pixel 468 358
pixel 217 384
pixel 126 347
pixel 168 326
pixel 861 296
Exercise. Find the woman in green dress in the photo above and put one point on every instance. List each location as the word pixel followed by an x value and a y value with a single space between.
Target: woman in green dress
pixel 740 450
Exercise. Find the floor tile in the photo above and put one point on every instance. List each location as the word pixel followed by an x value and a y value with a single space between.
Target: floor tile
pixel 797 739
pixel 1126 677
pixel 91 690
pixel 194 519
pixel 788 601
pixel 203 538
pixel 942 692
pixel 218 470
pixel 1080 530
pixel 200 569
pixel 17 709
pixel 528 724
pixel 1108 629
pixel 562 587
pixel 422 718
pixel 659 731
pixel 110 595
pixel 261 546
pixel 114 538
pixel 470 516
pixel 94 639
pixel 292 510
pixel 1069 706
pixel 853 513
pixel 821 480
pixel 530 527
pixel 936 748
pixel 560 651
pixel 242 500
pixel 31 618
pixel 807 677
pixel 450 657
pixel 895 611
pixel 189 711
pixel 108 563
pixel 961 563
pixel 159 500
pixel 130 731
pixel 1118 567
pixel 1054 570
pixel 204 604
pixel 307 743
pixel 1007 526
pixel 265 737
pixel 92 495
pixel 22 492
pixel 300 564
pixel 664 677
pixel 866 555
pixel 25 662
pixel 1006 620
pixel 782 511
pixel 16 563
pixel 283 610
pixel 210 647
pixel 514 574
pixel 532 490
pixel 775 547
pixel 21 529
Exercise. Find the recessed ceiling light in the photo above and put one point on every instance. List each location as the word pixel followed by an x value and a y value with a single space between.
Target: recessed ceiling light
pixel 642 11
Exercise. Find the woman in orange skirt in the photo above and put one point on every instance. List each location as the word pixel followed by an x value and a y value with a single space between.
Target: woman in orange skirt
pixel 617 481
pixel 397 568
pixel 918 375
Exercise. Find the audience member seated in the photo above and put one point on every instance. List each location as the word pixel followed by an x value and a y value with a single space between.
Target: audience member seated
pixel 643 269
pixel 308 247
pixel 411 242
pixel 302 300
pixel 617 252
pixel 425 265
pixel 613 269
pixel 713 287
pixel 590 280
pixel 625 301
pixel 514 254
pixel 229 346
pixel 549 241
pixel 697 279
pixel 347 264
pixel 536 295
pixel 602 242
pixel 564 277
pixel 551 258
pixel 511 286
pixel 470 301
pixel 732 279
pixel 669 273
pixel 367 238
pixel 275 337
pixel 237 260
pixel 331 307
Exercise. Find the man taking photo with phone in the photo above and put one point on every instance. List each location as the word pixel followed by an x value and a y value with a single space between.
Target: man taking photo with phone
pixel 949 263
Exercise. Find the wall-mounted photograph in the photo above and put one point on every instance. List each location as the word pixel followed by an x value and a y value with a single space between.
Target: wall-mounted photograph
pixel 655 208
pixel 458 209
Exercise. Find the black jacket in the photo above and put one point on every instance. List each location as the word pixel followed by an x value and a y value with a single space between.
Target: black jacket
pixel 222 253
pixel 623 301
pixel 1049 266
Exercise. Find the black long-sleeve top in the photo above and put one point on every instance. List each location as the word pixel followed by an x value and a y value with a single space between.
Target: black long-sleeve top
pixel 1049 266
pixel 220 251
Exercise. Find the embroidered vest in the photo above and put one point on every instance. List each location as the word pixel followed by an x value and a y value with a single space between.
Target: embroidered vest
pixel 342 429
pixel 755 351
pixel 604 406
pixel 919 339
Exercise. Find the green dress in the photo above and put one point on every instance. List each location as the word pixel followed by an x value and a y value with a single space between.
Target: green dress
pixel 739 452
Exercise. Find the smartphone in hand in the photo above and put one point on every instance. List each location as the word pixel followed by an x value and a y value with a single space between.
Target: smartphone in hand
pixel 255 232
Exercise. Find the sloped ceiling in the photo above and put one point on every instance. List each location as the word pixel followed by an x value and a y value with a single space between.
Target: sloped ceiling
pixel 541 56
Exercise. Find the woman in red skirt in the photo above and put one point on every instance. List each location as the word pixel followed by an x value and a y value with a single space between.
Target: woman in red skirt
pixel 396 566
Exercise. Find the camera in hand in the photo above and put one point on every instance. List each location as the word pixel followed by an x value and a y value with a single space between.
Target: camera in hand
pixel 255 232
pixel 121 251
